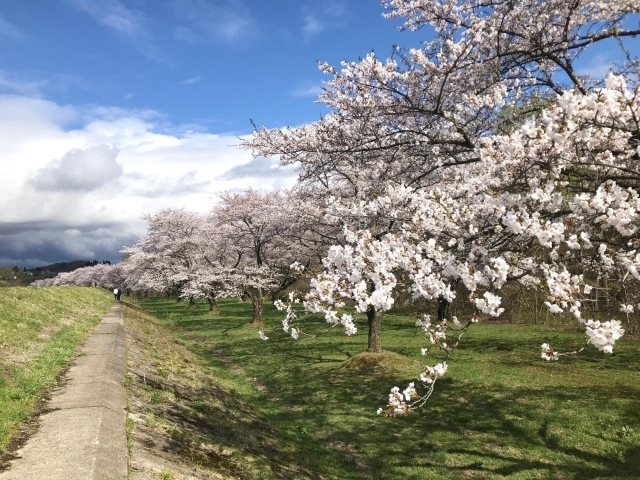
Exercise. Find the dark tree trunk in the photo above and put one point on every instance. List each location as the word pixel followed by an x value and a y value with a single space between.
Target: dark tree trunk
pixel 374 318
pixel 213 304
pixel 443 308
pixel 257 299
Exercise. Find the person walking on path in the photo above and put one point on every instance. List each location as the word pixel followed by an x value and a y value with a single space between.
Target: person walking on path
pixel 119 294
pixel 116 294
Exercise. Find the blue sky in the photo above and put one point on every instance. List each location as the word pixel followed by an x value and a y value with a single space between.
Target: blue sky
pixel 112 109
pixel 210 63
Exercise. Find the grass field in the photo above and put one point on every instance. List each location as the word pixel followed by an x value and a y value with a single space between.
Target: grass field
pixel 40 329
pixel 500 412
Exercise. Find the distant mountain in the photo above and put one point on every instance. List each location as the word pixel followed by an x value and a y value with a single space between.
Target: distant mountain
pixel 68 266
pixel 64 266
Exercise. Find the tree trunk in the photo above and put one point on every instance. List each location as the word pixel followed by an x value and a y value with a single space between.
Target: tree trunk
pixel 443 308
pixel 375 322
pixel 257 299
pixel 213 304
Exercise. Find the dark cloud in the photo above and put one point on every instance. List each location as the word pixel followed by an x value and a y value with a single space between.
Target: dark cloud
pixel 80 170
pixel 32 244
pixel 14 228
pixel 259 167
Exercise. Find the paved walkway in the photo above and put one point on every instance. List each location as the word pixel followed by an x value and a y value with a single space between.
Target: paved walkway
pixel 83 437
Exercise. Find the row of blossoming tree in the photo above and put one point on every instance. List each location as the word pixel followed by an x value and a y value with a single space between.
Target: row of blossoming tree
pixel 243 247
pixel 448 172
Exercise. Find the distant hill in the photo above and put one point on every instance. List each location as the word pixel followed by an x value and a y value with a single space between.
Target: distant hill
pixel 63 266
pixel 67 266
pixel 15 276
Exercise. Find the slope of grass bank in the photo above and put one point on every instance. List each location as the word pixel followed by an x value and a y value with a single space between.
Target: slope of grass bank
pixel 500 412
pixel 40 329
pixel 186 422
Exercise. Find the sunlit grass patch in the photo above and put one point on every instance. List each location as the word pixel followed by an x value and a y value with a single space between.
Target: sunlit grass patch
pixel 40 329
pixel 500 412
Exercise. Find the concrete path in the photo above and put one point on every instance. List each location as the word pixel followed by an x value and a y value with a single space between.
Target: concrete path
pixel 83 437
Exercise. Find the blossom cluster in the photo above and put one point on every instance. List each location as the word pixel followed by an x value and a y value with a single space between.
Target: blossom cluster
pixel 291 317
pixel 603 335
pixel 547 353
pixel 399 402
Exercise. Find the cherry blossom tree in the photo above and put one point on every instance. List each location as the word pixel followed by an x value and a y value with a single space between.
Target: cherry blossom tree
pixel 554 205
pixel 435 187
pixel 265 234
pixel 101 275
pixel 181 255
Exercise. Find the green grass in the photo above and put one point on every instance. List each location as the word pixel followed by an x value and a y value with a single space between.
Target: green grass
pixel 40 329
pixel 500 412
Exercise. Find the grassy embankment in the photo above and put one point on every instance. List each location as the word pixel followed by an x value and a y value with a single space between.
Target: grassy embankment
pixel 40 329
pixel 500 412
pixel 185 421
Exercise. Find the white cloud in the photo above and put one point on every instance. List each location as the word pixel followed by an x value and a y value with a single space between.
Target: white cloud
pixel 334 9
pixel 16 84
pixel 154 186
pixel 9 29
pixel 323 16
pixel 193 80
pixel 79 170
pixel 260 167
pixel 597 67
pixel 126 22
pixel 78 179
pixel 227 21
pixel 31 83
pixel 312 26
pixel 113 14
pixel 306 89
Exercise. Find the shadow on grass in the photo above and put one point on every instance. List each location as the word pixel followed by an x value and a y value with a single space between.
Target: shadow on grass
pixel 475 430
pixel 190 419
pixel 499 412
